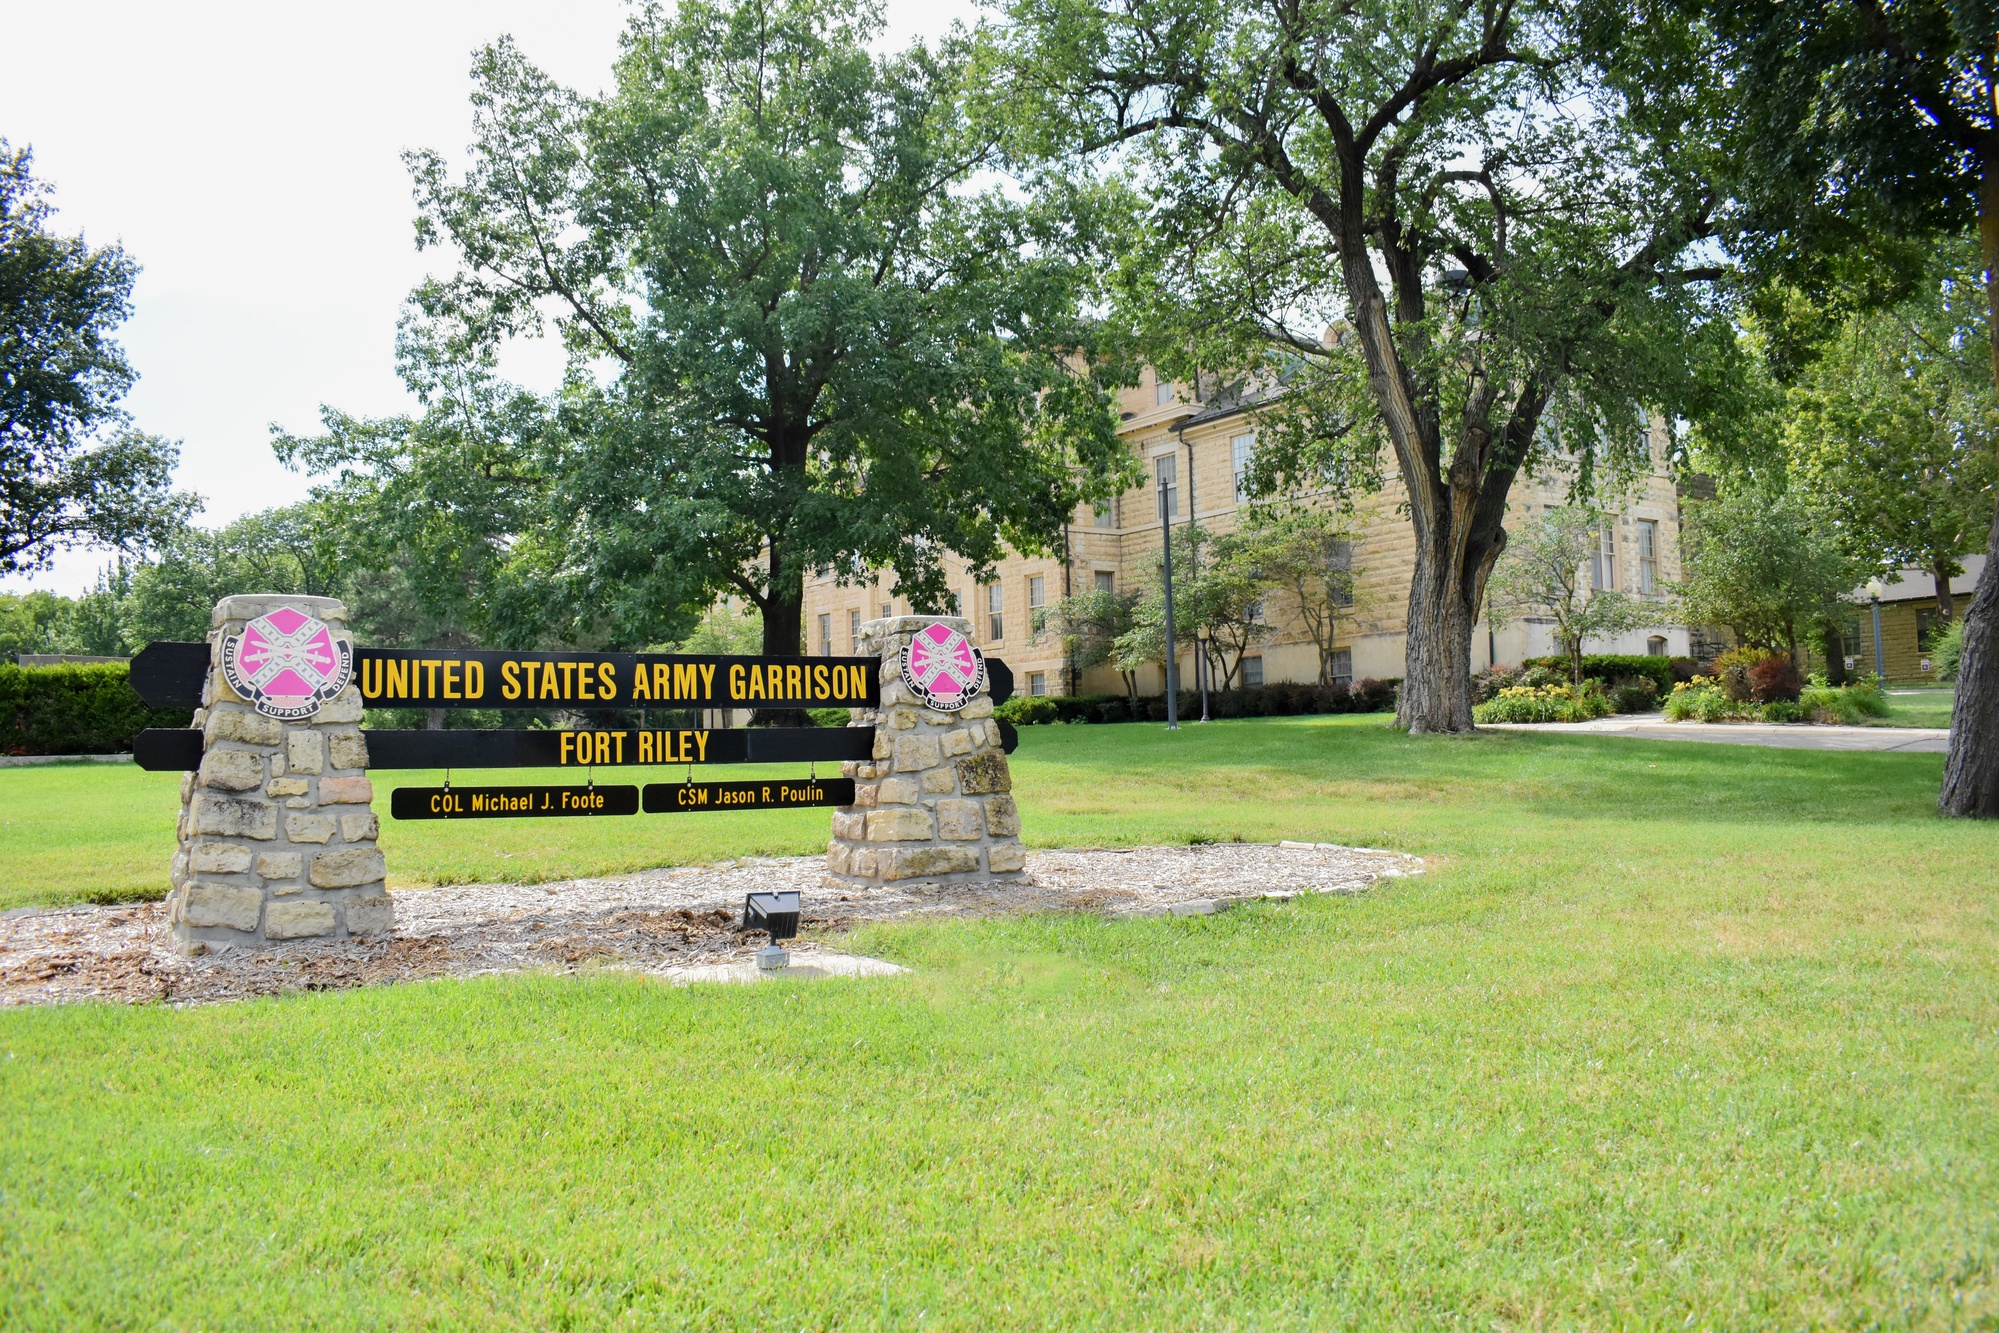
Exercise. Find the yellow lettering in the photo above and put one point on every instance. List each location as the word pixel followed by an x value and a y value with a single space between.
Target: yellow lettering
pixel 373 691
pixel 645 744
pixel 435 805
pixel 568 670
pixel 430 666
pixel 549 684
pixel 395 678
pixel 568 739
pixel 701 744
pixel 510 680
pixel 756 684
pixel 794 682
pixel 686 680
pixel 641 683
pixel 583 682
pixel 735 683
pixel 708 682
pixel 475 680
pixel 451 680
pixel 857 687
pixel 839 682
pixel 774 676
pixel 618 744
pixel 607 680
pixel 662 680
pixel 819 690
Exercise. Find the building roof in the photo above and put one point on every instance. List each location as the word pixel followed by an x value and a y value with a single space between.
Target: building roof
pixel 1918 585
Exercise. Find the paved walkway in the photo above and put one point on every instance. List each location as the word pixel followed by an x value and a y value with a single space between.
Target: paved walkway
pixel 1804 736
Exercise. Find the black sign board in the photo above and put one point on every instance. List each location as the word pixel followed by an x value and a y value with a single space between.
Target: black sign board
pixel 666 798
pixel 511 802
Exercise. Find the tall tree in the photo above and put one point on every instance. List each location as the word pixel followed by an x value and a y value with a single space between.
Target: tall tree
pixel 1500 217
pixel 1770 564
pixel 804 333
pixel 1859 133
pixel 71 469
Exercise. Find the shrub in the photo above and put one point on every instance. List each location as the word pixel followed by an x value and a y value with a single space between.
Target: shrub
pixel 1774 680
pixel 1684 669
pixel 1849 705
pixel 1946 648
pixel 1544 703
pixel 75 709
pixel 1633 694
pixel 828 717
pixel 1782 710
pixel 1027 710
pixel 1703 699
pixel 1656 668
pixel 1334 698
pixel 1374 696
pixel 1488 683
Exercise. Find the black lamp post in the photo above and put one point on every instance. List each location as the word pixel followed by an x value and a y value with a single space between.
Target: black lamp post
pixel 1166 530
pixel 1201 667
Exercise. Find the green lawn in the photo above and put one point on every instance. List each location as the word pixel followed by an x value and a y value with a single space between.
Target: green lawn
pixel 1673 1035
pixel 1919 708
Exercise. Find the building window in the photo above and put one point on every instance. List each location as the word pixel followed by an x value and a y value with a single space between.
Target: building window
pixel 957 604
pixel 1342 665
pixel 1603 565
pixel 826 635
pixel 1648 555
pixel 1252 672
pixel 995 622
pixel 1104 514
pixel 1037 683
pixel 854 632
pixel 1037 591
pixel 1244 449
pixel 1656 646
pixel 1106 581
pixel 887 608
pixel 1166 472
pixel 1162 390
pixel 1928 624
pixel 1342 564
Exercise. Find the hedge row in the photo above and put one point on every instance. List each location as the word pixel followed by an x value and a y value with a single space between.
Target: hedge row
pixel 1661 670
pixel 1275 700
pixel 74 709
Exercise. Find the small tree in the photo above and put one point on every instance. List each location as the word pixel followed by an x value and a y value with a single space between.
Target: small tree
pixel 1544 569
pixel 1769 564
pixel 1089 626
pixel 1219 583
pixel 1309 553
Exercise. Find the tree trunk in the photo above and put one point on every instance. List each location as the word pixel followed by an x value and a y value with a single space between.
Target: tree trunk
pixel 1436 689
pixel 784 626
pixel 1946 604
pixel 1971 768
pixel 1834 645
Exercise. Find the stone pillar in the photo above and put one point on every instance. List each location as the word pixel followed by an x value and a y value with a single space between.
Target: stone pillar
pixel 935 803
pixel 277 841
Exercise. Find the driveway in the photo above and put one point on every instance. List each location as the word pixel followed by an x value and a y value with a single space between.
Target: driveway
pixel 1800 736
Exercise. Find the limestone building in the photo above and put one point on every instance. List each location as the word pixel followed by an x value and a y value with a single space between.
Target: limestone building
pixel 1200 450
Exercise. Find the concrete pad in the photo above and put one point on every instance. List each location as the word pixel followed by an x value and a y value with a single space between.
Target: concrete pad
pixel 1782 736
pixel 804 967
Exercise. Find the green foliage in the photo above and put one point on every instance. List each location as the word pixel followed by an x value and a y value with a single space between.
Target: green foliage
pixel 1947 648
pixel 1783 710
pixel 1089 626
pixel 807 330
pixel 1220 583
pixel 71 469
pixel 1854 704
pixel 1614 666
pixel 1768 563
pixel 1027 710
pixel 1308 552
pixel 1545 703
pixel 1543 569
pixel 727 630
pixel 74 709
pixel 1703 699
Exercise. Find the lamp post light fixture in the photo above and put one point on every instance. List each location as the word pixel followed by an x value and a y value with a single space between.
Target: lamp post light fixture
pixel 776 913
pixel 1166 542
pixel 1201 668
pixel 1875 587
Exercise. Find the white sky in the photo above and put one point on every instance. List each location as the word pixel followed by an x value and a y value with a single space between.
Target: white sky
pixel 249 158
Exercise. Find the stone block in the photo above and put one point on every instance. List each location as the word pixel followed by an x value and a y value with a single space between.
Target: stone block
pixel 896 791
pixel 298 920
pixel 346 749
pixel 917 862
pixel 346 868
pixel 978 708
pixel 346 707
pixel 850 824
pixel 1004 857
pixel 250 605
pixel 864 795
pixel 983 774
pixel 298 802
pixel 957 743
pixel 218 858
pixel 850 768
pixel 866 862
pixel 305 751
pixel 884 743
pixel 235 817
pixel 902 719
pixel 913 754
pixel 309 828
pixel 993 737
pixel 277 763
pixel 346 791
pixel 839 857
pixel 1002 817
pixel 235 722
pixel 281 865
pixel 939 781
pixel 374 915
pixel 236 906
pixel 360 828
pixel 958 820
pixel 903 824
pixel 287 787
pixel 873 772
pixel 232 770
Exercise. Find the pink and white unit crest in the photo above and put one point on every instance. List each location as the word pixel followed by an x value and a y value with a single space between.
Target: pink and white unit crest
pixel 944 669
pixel 286 664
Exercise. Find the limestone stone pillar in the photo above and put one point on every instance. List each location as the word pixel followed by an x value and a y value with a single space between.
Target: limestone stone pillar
pixel 276 838
pixel 935 804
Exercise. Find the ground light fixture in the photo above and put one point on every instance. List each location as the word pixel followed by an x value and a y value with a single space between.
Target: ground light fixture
pixel 776 913
pixel 1201 668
